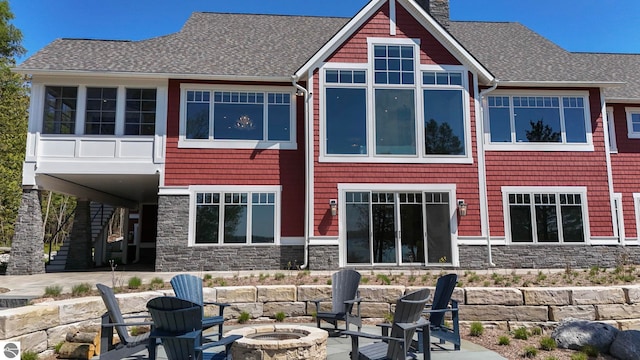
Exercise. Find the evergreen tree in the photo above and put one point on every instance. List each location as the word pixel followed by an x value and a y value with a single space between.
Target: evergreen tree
pixel 14 102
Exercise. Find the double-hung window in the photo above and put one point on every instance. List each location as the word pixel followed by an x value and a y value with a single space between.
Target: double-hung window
pixel 100 116
pixel 392 109
pixel 234 216
pixel 539 121
pixel 545 215
pixel 633 123
pixel 232 117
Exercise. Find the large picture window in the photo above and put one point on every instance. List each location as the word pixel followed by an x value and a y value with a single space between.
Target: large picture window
pixel 549 119
pixel 546 217
pixel 393 109
pixel 234 217
pixel 60 103
pixel 213 117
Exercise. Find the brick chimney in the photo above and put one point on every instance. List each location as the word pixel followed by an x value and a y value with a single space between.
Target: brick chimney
pixel 438 9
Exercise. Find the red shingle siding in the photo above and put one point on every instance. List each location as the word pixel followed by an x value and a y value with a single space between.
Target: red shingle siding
pixel 185 167
pixel 354 50
pixel 532 168
pixel 625 167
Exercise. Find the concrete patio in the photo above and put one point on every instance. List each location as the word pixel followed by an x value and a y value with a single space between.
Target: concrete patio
pixel 338 348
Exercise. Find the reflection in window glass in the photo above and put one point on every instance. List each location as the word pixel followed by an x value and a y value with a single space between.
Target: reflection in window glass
pixel 100 118
pixel 238 116
pixel 537 119
pixel 140 112
pixel 197 126
pixel 207 218
pixel 534 119
pixel 438 228
pixel 555 220
pixel 395 122
pixel 411 223
pixel 443 122
pixel 59 110
pixel 346 121
pixel 262 218
pixel 279 110
pixel 357 224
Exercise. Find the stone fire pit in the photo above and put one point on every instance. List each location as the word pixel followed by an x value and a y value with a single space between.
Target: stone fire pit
pixel 291 342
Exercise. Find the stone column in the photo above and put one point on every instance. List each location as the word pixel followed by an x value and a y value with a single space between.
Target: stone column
pixel 27 248
pixel 80 244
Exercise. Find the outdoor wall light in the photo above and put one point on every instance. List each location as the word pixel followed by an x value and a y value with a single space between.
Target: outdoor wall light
pixel 462 208
pixel 333 204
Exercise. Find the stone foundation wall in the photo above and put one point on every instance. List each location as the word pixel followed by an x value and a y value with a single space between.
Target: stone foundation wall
pixel 40 327
pixel 323 257
pixel 547 256
pixel 173 254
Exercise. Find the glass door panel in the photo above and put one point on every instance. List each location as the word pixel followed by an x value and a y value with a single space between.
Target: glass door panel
pixel 384 227
pixel 358 220
pixel 438 228
pixel 412 228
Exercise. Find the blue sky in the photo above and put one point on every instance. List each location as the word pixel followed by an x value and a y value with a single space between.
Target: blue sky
pixel 576 25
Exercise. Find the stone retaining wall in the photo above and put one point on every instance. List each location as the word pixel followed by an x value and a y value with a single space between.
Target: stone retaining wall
pixel 41 326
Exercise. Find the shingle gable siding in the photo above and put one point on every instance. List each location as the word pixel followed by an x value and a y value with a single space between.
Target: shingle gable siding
pixel 327 176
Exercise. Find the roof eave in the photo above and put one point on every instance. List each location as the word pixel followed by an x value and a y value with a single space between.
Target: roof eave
pixel 145 75
pixel 611 100
pixel 556 84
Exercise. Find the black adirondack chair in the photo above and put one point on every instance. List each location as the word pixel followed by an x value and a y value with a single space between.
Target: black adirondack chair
pixel 344 295
pixel 406 319
pixel 442 304
pixel 178 324
pixel 189 287
pixel 113 318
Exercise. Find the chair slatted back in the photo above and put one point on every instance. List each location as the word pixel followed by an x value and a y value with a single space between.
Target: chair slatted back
pixel 442 296
pixel 408 310
pixel 177 316
pixel 344 286
pixel 111 303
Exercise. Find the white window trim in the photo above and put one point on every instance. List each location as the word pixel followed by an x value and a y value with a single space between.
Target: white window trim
pixel 211 143
pixel 504 146
pixel 194 189
pixel 342 221
pixel 582 190
pixel 613 143
pixel 636 206
pixel 630 133
pixel 418 88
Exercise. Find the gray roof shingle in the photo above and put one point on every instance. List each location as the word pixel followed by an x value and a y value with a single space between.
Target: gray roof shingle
pixel 216 44
pixel 250 45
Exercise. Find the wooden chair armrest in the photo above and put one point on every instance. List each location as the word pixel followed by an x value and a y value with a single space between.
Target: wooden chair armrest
pixel 222 342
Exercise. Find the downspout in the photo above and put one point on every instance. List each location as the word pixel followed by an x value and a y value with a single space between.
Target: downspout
pixel 305 92
pixel 483 93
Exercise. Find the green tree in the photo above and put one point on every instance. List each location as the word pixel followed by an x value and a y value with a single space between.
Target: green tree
pixel 440 139
pixel 14 102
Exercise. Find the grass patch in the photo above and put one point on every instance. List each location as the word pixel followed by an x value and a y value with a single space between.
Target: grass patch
pixel 548 343
pixel 53 290
pixel 280 316
pixel 384 279
pixel 476 328
pixel 504 340
pixel 244 317
pixel 134 283
pixel 156 283
pixel 530 352
pixel 81 289
pixel 521 333
pixel 579 356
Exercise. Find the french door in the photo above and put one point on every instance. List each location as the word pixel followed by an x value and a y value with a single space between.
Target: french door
pixel 386 227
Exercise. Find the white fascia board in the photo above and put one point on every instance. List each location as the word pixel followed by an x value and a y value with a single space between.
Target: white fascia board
pixel 585 84
pixel 144 75
pixel 447 40
pixel 334 43
pixel 613 100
